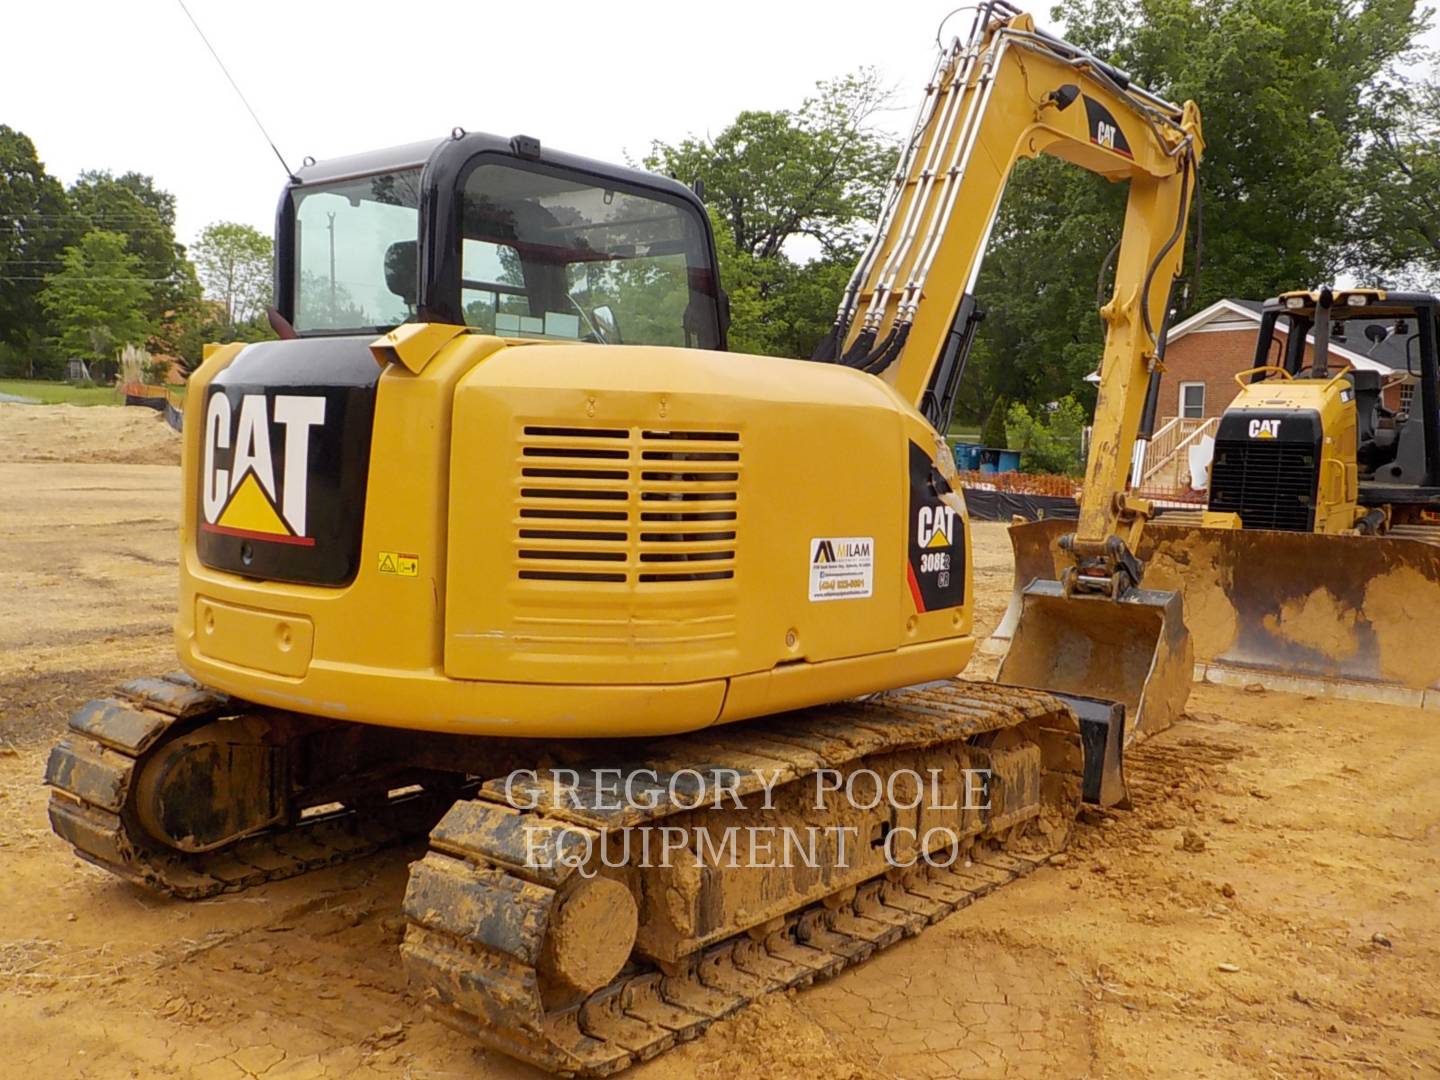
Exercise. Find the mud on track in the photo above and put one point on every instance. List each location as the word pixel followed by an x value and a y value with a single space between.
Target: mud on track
pixel 1273 834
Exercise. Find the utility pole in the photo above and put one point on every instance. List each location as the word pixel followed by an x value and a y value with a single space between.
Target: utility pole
pixel 332 264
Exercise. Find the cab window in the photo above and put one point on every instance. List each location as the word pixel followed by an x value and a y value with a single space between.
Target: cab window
pixel 555 255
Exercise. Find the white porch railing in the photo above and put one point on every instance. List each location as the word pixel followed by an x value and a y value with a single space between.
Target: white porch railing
pixel 1166 462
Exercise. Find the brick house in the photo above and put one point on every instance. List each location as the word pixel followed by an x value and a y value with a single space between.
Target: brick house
pixel 1205 353
pixel 1207 350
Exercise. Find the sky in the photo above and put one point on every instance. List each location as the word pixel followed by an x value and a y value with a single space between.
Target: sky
pixel 130 86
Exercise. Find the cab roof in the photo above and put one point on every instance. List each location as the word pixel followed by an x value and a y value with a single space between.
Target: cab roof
pixel 462 145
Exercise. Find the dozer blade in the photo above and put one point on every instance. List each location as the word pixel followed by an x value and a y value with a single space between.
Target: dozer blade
pixel 1134 650
pixel 1305 612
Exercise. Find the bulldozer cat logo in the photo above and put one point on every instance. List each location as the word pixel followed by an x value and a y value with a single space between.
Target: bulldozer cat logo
pixel 254 475
pixel 1105 129
pixel 935 567
pixel 1265 429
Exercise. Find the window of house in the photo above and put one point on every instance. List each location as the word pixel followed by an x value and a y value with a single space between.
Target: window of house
pixel 1192 400
pixel 1407 397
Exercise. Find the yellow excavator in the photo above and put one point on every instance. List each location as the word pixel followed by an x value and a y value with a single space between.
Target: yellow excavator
pixel 498 544
pixel 1318 552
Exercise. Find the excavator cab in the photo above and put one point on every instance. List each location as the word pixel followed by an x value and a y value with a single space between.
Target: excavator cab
pixel 499 237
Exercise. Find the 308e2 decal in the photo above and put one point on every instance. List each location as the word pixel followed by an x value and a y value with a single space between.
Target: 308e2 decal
pixel 935 564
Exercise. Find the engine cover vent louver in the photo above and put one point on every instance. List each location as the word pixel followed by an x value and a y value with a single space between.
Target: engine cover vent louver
pixel 617 506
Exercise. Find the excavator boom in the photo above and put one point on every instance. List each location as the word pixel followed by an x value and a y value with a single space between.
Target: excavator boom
pixel 1006 94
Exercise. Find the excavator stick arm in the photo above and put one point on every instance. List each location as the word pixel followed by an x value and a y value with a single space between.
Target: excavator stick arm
pixel 1006 94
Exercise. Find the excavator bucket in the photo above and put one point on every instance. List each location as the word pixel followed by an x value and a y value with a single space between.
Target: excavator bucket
pixel 1036 545
pixel 1305 612
pixel 1036 548
pixel 1134 650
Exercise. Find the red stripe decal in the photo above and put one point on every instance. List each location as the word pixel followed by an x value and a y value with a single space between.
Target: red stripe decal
pixel 248 534
pixel 1112 149
pixel 914 588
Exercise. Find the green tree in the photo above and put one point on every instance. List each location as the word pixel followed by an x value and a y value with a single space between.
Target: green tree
pixel 1397 226
pixel 1042 332
pixel 235 263
pixel 97 299
pixel 1049 438
pixel 134 208
pixel 818 171
pixel 776 181
pixel 993 433
pixel 35 227
pixel 186 331
pixel 1290 91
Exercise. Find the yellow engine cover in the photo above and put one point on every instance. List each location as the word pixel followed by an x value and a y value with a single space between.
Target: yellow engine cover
pixel 1263 410
pixel 575 540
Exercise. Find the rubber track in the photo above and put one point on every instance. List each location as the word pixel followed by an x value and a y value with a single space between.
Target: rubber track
pixel 90 772
pixel 479 973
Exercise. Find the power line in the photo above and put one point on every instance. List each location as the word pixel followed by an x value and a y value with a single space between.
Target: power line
pixel 90 280
pixel 226 71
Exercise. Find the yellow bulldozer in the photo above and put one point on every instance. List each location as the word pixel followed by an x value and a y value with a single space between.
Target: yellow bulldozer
pixel 498 544
pixel 1318 551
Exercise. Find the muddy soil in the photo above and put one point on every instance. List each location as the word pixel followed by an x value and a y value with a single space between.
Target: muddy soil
pixel 1269 908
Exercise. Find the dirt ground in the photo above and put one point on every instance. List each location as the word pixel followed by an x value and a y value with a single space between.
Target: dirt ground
pixel 1269 908
pixel 75 433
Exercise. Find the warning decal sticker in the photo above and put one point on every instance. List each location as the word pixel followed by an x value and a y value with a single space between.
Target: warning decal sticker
pixel 842 567
pixel 399 563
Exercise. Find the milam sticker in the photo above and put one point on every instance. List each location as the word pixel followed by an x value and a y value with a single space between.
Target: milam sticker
pixel 842 567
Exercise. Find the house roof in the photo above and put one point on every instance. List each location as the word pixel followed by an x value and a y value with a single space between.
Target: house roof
pixel 1355 348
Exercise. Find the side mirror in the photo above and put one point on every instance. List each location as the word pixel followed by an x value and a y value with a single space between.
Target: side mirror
pixel 607 324
pixel 402 270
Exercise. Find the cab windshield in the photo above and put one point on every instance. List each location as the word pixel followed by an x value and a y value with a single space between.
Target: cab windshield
pixel 544 253
pixel 551 254
pixel 355 246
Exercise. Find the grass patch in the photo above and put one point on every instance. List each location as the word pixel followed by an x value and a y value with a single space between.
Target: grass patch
pixel 59 393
